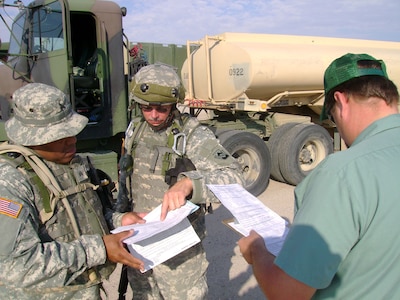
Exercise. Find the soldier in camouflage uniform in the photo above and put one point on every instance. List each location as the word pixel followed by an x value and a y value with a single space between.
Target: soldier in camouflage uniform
pixel 58 248
pixel 168 147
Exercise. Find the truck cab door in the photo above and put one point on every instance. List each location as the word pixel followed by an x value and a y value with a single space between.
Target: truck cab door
pixel 49 44
pixel 38 52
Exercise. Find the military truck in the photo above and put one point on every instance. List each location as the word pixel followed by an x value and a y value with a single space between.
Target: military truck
pixel 79 47
pixel 271 86
pixel 260 93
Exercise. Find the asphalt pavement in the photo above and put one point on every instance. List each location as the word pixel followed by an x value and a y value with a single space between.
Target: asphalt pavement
pixel 229 276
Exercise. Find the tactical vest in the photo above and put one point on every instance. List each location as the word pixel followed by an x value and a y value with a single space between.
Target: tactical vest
pixel 172 153
pixel 66 200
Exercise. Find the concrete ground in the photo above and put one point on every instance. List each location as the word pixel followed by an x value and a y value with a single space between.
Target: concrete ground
pixel 229 276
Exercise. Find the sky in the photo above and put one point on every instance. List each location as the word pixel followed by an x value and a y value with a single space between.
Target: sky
pixel 176 21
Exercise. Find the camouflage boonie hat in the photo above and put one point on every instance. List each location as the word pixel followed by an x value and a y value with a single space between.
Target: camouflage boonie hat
pixel 158 85
pixel 42 114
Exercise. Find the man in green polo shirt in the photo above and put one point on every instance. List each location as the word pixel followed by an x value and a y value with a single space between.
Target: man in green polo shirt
pixel 344 242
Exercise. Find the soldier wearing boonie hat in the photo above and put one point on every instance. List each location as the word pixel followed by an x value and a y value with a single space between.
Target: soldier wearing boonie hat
pixel 170 156
pixel 42 114
pixel 55 243
pixel 342 243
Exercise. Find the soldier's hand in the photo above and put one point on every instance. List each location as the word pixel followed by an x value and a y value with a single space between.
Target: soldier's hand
pixel 117 253
pixel 175 197
pixel 132 218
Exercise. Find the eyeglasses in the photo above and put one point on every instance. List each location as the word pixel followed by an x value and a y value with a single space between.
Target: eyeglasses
pixel 158 108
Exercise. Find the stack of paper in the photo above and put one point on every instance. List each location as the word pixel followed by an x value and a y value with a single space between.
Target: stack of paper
pixel 155 241
pixel 251 214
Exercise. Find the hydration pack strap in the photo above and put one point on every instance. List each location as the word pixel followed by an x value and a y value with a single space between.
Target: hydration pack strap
pixel 49 181
pixel 46 179
pixel 40 185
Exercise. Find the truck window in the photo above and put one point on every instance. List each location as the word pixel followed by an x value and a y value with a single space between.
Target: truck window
pixel 47 28
pixel 17 34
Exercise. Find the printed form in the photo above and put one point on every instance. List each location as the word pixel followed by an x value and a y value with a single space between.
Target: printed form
pixel 155 241
pixel 250 213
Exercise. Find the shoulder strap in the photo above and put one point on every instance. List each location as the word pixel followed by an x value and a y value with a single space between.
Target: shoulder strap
pixel 44 192
pixel 20 163
pixel 131 134
pixel 37 165
pixel 47 179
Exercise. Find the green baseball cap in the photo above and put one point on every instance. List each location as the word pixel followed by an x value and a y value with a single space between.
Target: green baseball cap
pixel 348 67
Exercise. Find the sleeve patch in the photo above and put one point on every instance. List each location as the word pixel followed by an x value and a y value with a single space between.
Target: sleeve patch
pixel 10 208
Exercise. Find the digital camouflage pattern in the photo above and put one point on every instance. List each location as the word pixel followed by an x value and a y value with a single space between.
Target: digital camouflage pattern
pixel 42 114
pixel 214 164
pixel 183 276
pixel 157 84
pixel 49 259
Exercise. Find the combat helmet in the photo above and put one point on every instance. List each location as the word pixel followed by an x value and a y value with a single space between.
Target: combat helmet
pixel 42 114
pixel 157 84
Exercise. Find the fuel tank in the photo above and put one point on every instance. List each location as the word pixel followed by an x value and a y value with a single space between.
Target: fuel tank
pixel 233 66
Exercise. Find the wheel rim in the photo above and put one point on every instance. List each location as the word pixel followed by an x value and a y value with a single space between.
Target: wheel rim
pixel 249 164
pixel 311 154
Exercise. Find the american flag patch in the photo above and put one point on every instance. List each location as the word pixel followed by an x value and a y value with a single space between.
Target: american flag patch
pixel 10 208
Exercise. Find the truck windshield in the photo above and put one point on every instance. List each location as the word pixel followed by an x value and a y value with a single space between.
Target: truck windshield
pixel 47 28
pixel 17 34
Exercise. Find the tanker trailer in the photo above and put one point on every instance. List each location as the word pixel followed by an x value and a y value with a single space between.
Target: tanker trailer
pixel 270 88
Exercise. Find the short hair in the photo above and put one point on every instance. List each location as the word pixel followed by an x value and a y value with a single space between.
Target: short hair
pixel 365 87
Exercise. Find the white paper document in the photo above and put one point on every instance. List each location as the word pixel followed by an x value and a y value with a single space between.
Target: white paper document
pixel 153 224
pixel 250 213
pixel 156 241
pixel 161 247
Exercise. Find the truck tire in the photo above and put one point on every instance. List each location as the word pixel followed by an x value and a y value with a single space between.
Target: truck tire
pixel 302 148
pixel 253 156
pixel 274 143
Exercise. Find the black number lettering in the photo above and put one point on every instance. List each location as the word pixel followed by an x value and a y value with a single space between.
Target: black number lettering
pixel 236 72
